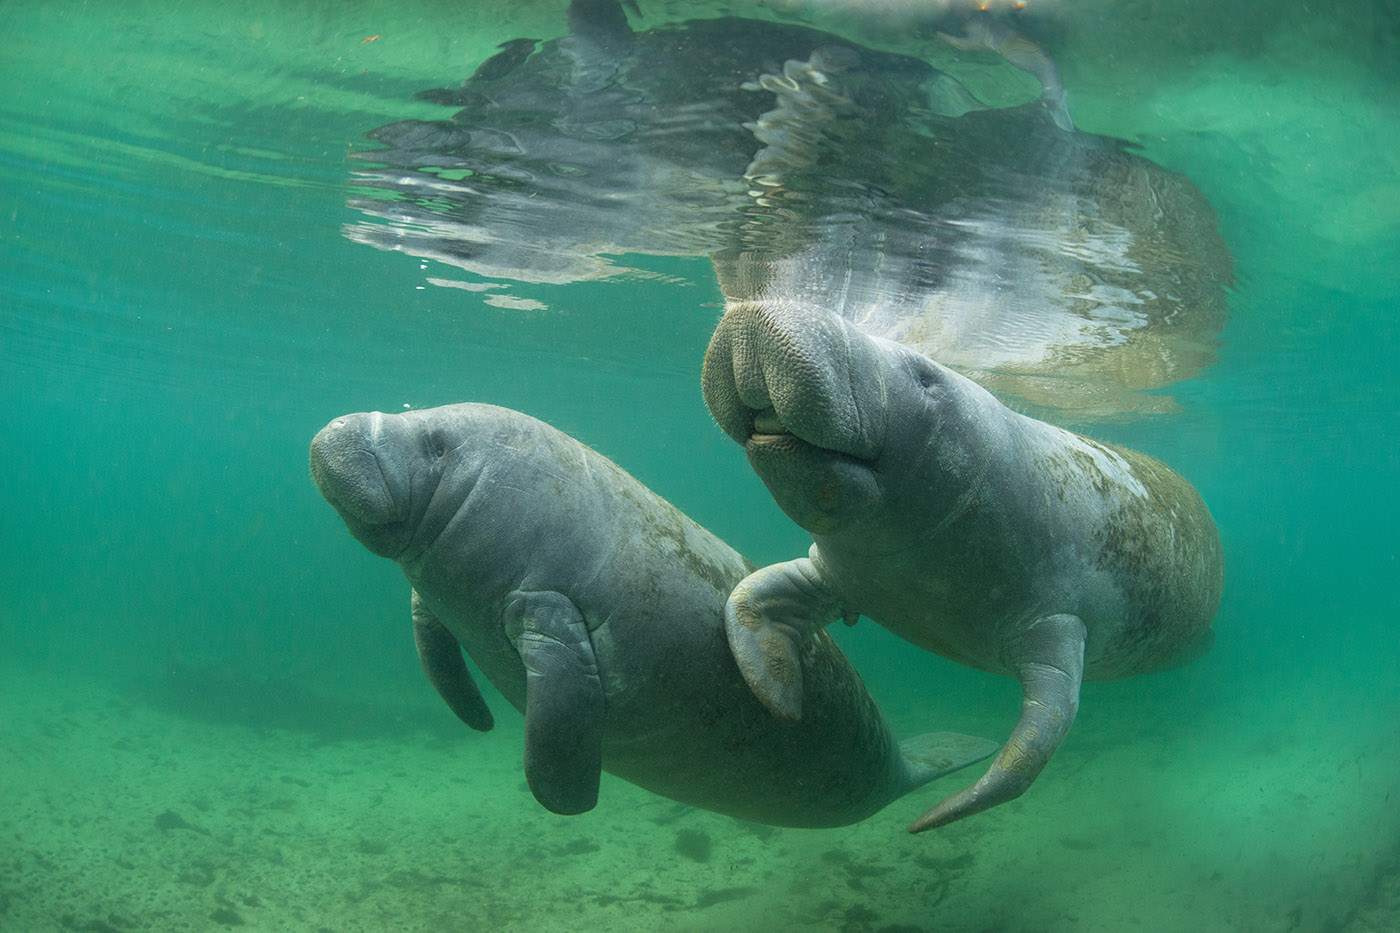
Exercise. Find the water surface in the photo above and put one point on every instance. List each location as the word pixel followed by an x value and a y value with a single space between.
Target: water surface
pixel 212 707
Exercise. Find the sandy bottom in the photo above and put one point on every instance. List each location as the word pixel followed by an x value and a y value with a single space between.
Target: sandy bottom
pixel 123 812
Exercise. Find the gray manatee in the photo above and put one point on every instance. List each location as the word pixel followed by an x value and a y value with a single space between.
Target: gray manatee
pixel 988 537
pixel 596 608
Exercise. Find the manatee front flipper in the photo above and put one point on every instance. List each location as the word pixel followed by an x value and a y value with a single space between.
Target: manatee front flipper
pixel 441 657
pixel 563 699
pixel 1048 659
pixel 767 618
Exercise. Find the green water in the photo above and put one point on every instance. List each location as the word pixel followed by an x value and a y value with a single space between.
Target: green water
pixel 210 710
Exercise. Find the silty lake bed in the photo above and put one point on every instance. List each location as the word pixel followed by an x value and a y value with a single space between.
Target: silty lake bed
pixel 212 712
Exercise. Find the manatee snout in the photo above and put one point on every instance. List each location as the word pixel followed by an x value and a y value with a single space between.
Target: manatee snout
pixel 346 467
pixel 775 368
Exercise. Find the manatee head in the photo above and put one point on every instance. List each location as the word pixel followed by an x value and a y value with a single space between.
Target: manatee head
pixel 385 473
pixel 828 415
pixel 808 395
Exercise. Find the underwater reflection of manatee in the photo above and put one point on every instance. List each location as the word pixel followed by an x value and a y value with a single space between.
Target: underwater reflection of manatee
pixel 1057 268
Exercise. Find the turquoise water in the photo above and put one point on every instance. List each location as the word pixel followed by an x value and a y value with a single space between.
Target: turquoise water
pixel 213 715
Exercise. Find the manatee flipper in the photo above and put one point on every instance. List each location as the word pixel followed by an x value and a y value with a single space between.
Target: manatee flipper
pixel 1048 659
pixel 767 618
pixel 563 700
pixel 441 657
pixel 935 754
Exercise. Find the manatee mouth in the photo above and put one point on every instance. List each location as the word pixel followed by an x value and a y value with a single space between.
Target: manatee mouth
pixel 365 510
pixel 769 435
pixel 767 426
pixel 818 488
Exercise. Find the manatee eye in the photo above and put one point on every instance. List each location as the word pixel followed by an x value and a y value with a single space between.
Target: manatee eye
pixel 435 445
pixel 926 375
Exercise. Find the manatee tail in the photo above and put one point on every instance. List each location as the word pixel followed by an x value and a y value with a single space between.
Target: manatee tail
pixel 934 754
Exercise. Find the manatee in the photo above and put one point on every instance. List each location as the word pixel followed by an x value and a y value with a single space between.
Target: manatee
pixel 983 535
pixel 596 609
pixel 1059 268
